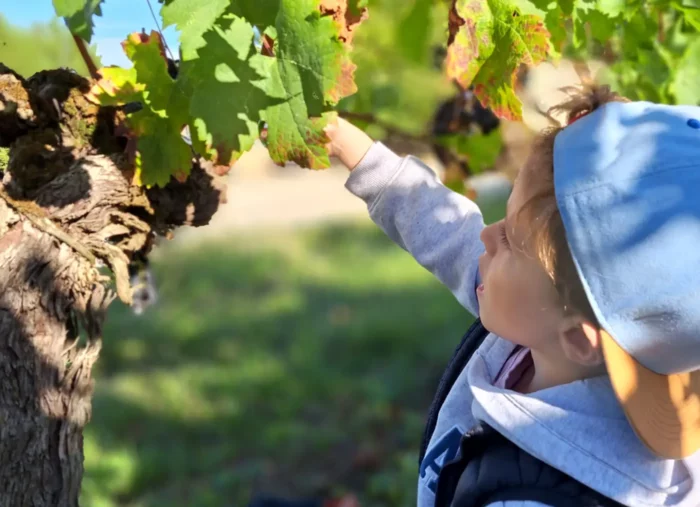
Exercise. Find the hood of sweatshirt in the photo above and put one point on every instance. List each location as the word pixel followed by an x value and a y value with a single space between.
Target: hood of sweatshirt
pixel 580 429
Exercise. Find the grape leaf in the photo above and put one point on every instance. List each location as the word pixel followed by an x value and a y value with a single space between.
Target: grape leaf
pixel 226 87
pixel 687 76
pixel 600 16
pixel 192 18
pixel 157 127
pixel 348 14
pixel 489 40
pixel 259 13
pixel 314 70
pixel 234 87
pixel 690 10
pixel 554 20
pixel 78 15
pixel 230 92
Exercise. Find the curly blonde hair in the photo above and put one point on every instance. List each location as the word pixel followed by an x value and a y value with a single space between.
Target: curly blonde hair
pixel 548 237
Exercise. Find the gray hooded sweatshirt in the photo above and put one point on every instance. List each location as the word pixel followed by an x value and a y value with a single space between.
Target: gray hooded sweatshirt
pixel 578 428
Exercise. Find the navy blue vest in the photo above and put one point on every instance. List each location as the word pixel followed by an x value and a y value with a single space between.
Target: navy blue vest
pixel 490 468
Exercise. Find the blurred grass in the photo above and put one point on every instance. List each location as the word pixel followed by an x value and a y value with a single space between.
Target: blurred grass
pixel 292 363
pixel 42 46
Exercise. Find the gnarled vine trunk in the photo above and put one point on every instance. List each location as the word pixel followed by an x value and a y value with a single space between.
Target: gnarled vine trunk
pixel 70 222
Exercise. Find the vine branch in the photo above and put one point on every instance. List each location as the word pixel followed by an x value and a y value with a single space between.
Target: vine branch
pixel 80 43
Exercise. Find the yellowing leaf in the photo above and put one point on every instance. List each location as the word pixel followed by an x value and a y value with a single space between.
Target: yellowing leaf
pixel 157 127
pixel 489 40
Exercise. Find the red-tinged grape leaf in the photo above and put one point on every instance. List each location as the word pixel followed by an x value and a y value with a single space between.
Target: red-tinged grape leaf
pixel 156 128
pixel 489 40
pixel 311 57
pixel 78 15
pixel 348 14
pixel 302 71
pixel 313 72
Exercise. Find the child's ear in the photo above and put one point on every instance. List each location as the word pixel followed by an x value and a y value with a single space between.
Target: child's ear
pixel 581 341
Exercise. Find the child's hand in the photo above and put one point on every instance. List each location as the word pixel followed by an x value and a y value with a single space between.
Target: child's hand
pixel 348 143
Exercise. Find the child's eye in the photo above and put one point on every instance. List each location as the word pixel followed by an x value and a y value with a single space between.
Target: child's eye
pixel 504 236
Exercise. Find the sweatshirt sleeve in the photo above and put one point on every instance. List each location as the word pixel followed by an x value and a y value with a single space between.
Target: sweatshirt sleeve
pixel 439 227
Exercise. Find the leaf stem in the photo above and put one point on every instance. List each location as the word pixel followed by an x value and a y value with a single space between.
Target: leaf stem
pixel 92 68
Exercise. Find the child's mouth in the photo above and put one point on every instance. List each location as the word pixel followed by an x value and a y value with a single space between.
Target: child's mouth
pixel 480 289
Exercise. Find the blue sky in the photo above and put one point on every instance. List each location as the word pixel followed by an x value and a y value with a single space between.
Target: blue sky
pixel 119 18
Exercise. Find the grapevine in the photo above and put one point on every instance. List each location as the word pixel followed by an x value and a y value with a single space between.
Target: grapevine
pixel 228 86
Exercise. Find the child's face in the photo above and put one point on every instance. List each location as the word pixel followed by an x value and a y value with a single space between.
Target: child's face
pixel 517 299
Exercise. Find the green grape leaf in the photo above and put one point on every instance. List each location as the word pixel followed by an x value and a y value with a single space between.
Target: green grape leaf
pixel 684 84
pixel 232 88
pixel 304 71
pixel 638 32
pixel 690 10
pixel 192 18
pixel 78 15
pixel 602 16
pixel 312 72
pixel 157 127
pixel 259 13
pixel 489 40
pixel 227 85
pixel 610 8
pixel 555 24
pixel 602 26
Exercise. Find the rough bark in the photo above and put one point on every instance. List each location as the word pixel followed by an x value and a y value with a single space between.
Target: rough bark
pixel 67 207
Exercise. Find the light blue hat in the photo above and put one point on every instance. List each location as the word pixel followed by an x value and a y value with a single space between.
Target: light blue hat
pixel 627 184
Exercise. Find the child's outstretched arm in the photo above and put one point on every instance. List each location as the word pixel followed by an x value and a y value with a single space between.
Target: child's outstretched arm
pixel 439 227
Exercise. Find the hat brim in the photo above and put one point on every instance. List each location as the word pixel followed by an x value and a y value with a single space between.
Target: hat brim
pixel 664 410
